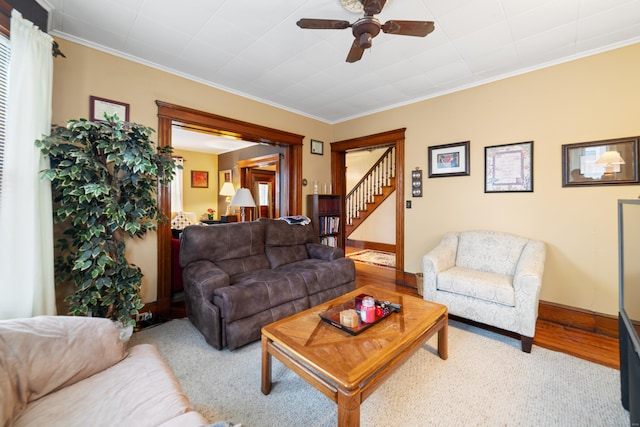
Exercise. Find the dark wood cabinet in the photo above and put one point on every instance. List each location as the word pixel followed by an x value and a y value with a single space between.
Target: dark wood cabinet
pixel 325 211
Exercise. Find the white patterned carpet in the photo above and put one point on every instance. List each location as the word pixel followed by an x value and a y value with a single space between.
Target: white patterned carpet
pixel 486 381
pixel 372 257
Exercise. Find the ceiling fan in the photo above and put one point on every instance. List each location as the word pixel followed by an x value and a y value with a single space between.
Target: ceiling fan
pixel 366 28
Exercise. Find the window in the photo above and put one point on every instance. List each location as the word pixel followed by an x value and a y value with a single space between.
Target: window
pixel 4 80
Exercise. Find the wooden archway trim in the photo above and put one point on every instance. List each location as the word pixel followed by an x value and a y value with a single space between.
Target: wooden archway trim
pixel 338 167
pixel 292 174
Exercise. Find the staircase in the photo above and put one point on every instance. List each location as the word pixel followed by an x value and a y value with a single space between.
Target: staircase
pixel 374 187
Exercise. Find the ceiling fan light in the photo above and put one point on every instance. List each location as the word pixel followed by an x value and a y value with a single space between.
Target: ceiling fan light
pixel 365 40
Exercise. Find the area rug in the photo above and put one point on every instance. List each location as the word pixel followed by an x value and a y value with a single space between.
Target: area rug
pixel 486 381
pixel 373 257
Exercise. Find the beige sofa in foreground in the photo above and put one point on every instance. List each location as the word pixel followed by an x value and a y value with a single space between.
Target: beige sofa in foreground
pixel 76 371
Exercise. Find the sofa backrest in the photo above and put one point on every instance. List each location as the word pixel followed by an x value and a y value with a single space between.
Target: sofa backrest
pixel 42 354
pixel 286 243
pixel 234 247
pixel 489 251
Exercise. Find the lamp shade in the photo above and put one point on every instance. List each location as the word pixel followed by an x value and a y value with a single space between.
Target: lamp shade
pixel 610 158
pixel 242 198
pixel 227 189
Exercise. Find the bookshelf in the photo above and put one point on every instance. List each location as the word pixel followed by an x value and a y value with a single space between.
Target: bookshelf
pixel 325 211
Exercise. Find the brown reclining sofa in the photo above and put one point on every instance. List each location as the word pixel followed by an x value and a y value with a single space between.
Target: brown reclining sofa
pixel 239 277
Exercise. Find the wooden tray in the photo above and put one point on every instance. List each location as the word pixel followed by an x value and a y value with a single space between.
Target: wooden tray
pixel 332 317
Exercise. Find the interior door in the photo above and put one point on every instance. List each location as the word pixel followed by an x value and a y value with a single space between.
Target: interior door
pixel 263 185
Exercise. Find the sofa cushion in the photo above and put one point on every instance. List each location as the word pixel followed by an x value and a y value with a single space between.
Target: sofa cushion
pixel 282 255
pixel 489 251
pixel 140 390
pixel 286 243
pixel 320 275
pixel 234 247
pixel 25 375
pixel 258 291
pixel 491 287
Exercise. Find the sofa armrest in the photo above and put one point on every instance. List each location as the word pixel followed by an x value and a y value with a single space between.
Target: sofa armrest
pixel 440 258
pixel 204 276
pixel 327 253
pixel 201 279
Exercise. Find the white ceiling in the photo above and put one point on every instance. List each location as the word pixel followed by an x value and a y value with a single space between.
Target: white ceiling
pixel 254 48
pixel 184 139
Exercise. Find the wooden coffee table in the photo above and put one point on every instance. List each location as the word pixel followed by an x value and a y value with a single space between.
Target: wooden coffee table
pixel 346 368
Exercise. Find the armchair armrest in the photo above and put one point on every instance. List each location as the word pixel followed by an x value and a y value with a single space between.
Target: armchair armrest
pixel 327 253
pixel 440 258
pixel 530 268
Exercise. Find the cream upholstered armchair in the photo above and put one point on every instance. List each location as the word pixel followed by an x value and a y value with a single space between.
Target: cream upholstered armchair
pixel 488 277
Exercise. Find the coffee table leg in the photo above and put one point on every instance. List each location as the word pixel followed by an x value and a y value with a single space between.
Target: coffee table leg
pixel 443 346
pixel 349 409
pixel 266 366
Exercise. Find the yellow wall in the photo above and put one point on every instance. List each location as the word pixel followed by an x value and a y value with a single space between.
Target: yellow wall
pixel 585 100
pixel 589 99
pixel 87 72
pixel 198 200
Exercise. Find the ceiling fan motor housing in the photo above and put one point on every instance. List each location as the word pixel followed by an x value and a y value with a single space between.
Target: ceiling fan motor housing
pixel 365 29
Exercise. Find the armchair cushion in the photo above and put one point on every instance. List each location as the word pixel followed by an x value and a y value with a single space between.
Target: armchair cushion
pixel 492 287
pixel 489 251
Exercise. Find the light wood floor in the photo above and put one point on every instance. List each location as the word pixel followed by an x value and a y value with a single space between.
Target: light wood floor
pixel 595 348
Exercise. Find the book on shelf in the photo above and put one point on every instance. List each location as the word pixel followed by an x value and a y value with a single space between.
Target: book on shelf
pixel 329 241
pixel 329 224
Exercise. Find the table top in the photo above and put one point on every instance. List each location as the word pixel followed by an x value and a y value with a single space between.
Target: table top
pixel 349 360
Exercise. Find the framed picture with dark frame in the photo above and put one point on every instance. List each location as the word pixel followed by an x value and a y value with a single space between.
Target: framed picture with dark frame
pixel 225 176
pixel 199 179
pixel 317 147
pixel 449 160
pixel 99 106
pixel 607 162
pixel 508 168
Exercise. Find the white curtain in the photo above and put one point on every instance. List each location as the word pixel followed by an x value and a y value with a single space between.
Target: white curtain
pixel 26 254
pixel 176 186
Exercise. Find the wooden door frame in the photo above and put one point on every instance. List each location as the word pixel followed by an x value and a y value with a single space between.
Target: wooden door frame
pixel 338 168
pixel 245 169
pixel 292 171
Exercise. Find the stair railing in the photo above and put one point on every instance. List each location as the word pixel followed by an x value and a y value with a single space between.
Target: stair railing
pixel 371 184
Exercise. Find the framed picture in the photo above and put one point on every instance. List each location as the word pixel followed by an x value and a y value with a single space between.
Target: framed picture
pixel 317 147
pixel 508 168
pixel 225 176
pixel 449 160
pixel 612 161
pixel 199 179
pixel 99 106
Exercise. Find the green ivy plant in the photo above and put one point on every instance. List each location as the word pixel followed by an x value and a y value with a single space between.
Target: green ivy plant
pixel 105 177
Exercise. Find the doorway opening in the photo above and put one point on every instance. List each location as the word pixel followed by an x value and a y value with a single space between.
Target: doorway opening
pixel 291 194
pixel 261 175
pixel 394 138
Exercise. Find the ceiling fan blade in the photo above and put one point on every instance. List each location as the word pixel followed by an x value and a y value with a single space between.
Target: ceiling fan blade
pixel 373 7
pixel 323 24
pixel 408 28
pixel 355 53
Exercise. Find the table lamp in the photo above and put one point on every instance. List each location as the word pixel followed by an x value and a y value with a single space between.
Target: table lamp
pixel 610 159
pixel 228 191
pixel 243 199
